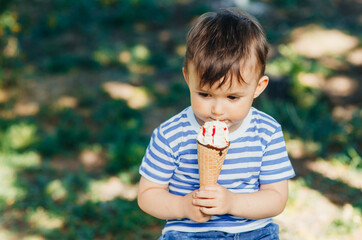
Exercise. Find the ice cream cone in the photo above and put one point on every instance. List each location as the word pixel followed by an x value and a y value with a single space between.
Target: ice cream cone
pixel 210 161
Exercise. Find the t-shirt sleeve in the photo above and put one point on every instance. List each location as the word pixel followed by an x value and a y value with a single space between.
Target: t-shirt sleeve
pixel 158 164
pixel 276 165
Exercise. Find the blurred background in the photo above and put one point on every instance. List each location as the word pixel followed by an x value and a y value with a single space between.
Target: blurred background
pixel 83 84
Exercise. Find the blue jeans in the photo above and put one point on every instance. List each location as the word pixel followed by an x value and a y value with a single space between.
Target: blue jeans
pixel 269 232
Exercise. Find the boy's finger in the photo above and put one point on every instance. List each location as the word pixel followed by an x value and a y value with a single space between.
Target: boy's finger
pixel 204 202
pixel 205 194
pixel 194 194
pixel 208 210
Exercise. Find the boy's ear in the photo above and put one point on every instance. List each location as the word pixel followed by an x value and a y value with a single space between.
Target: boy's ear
pixel 185 75
pixel 262 84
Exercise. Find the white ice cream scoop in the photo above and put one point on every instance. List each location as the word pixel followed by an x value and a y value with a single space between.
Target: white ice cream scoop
pixel 214 133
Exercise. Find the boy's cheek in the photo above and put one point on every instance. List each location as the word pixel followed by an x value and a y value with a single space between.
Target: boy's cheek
pixel 200 109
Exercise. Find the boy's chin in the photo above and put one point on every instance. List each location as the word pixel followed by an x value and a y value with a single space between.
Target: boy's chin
pixel 200 121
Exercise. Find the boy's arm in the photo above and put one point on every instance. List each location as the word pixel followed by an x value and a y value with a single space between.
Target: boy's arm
pixel 269 201
pixel 156 200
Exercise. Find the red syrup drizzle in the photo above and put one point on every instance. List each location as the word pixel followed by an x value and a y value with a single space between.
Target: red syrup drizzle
pixel 213 134
pixel 203 131
pixel 227 142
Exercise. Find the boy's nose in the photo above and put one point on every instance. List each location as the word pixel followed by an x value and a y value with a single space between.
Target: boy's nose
pixel 217 108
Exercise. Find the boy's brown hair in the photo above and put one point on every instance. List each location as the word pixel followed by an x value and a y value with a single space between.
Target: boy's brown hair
pixel 220 44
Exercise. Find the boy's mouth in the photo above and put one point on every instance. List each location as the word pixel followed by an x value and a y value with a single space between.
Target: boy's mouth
pixel 221 120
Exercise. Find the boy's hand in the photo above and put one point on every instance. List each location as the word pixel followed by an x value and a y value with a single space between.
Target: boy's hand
pixel 213 199
pixel 193 212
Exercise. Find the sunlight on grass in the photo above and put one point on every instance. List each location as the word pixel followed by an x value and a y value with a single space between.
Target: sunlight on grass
pixel 10 164
pixel 5 234
pixel 298 148
pixel 140 53
pixel 314 41
pixel 34 237
pixel 108 189
pixel 141 69
pixel 9 192
pixel 26 108
pixel 289 62
pixel 302 204
pixel 8 19
pixel 11 49
pixel 56 190
pixel 344 113
pixel 341 86
pixel 329 221
pixel 124 57
pixel 355 57
pixel 20 160
pixel 67 102
pixel 312 80
pixel 136 60
pixel 349 220
pixel 21 135
pixel 42 219
pixel 335 169
pixel 20 109
pixel 93 159
pixel 136 97
pixel 181 50
pixel 4 96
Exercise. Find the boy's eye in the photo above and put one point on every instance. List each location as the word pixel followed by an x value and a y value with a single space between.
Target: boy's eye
pixel 204 94
pixel 233 97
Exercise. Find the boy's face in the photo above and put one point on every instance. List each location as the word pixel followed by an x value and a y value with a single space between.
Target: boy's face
pixel 227 103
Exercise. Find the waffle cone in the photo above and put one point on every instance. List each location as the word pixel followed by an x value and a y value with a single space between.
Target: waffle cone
pixel 210 161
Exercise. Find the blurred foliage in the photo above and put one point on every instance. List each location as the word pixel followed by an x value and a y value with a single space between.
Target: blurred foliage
pixel 51 156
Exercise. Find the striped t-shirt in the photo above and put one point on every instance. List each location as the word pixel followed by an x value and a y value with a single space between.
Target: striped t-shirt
pixel 257 155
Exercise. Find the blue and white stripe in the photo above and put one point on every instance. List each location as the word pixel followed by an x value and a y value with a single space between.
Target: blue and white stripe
pixel 257 155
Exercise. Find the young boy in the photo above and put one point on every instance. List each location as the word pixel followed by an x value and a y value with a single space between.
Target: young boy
pixel 224 70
